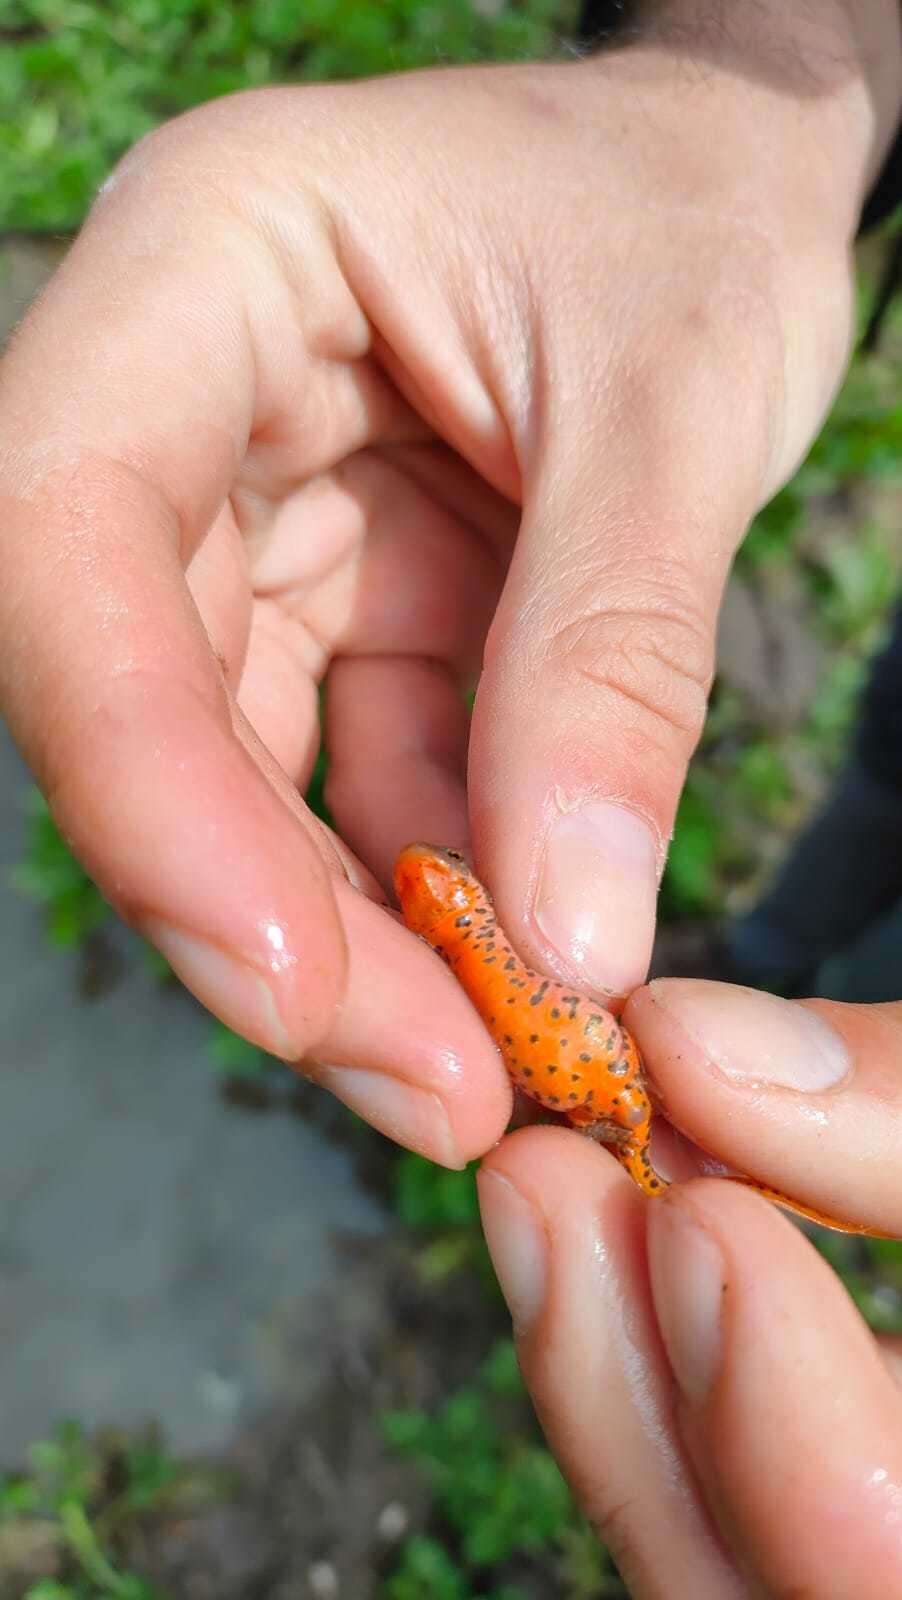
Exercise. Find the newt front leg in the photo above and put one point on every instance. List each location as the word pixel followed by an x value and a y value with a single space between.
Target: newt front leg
pixel 560 1047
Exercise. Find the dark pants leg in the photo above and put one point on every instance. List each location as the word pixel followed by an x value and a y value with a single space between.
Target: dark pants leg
pixel 870 969
pixel 878 741
pixel 845 871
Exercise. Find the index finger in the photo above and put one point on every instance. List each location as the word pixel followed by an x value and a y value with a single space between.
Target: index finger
pixel 129 398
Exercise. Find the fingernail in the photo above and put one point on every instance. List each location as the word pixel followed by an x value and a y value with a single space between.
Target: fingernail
pixel 414 1118
pixel 755 1038
pixel 688 1281
pixel 595 902
pixel 228 986
pixel 518 1246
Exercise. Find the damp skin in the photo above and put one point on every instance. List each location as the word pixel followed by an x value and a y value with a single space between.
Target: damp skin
pixel 559 1046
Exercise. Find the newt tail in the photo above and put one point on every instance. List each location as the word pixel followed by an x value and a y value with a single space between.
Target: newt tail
pixel 560 1047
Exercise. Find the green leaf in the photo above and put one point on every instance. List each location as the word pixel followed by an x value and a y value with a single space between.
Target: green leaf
pixel 501 1369
pixel 690 881
pixel 151 1472
pixel 157 964
pixel 315 796
pixel 427 1572
pixel 51 875
pixel 18 1495
pixel 406 1430
pixel 237 1057
pixel 429 1196
pixel 773 533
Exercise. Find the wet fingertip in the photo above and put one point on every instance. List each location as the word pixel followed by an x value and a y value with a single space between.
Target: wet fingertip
pixel 517 1241
pixel 754 1039
pixel 598 872
pixel 413 1117
pixel 689 1282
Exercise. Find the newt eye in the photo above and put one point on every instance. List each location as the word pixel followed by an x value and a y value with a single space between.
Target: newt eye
pixel 454 855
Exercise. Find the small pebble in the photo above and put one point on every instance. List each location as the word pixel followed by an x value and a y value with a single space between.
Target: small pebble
pixel 323 1580
pixel 393 1522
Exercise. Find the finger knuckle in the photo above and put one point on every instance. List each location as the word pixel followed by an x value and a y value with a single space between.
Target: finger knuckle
pixel 184 155
pixel 653 660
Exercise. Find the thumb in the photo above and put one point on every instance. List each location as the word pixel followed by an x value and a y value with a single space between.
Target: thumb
pixel 595 685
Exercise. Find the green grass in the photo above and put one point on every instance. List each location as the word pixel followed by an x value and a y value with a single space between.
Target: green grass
pixel 499 1501
pixel 75 1504
pixel 50 874
pixel 81 80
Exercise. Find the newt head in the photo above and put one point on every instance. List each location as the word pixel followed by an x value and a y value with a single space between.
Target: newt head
pixel 431 881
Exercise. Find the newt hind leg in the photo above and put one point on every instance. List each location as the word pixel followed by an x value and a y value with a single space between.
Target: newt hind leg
pixel 631 1150
pixel 635 1157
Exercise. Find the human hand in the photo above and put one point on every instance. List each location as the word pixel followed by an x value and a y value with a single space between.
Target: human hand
pixel 722 1412
pixel 276 421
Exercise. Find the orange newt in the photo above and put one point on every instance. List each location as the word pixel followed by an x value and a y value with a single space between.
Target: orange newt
pixel 560 1047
